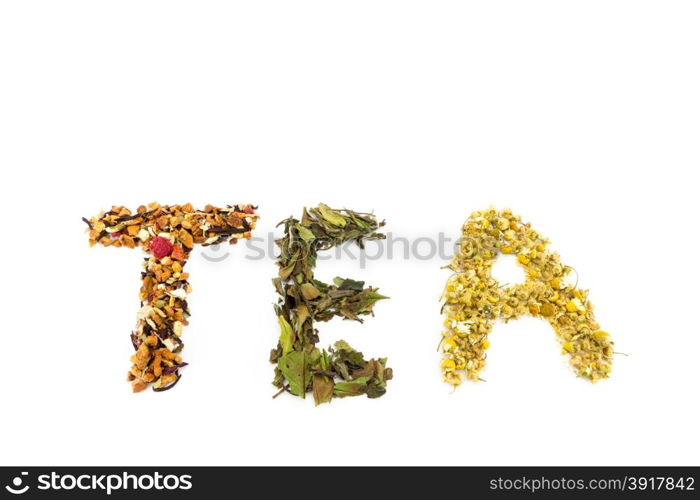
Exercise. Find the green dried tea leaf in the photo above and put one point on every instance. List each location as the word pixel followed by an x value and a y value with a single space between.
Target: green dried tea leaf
pixel 369 299
pixel 348 284
pixel 286 335
pixel 309 292
pixel 305 233
pixel 322 389
pixel 343 352
pixel 286 271
pixel 373 369
pixel 295 369
pixel 354 388
pixel 342 346
pixel 302 315
pixel 375 391
pixel 331 215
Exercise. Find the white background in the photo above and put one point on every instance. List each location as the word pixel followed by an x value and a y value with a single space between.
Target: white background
pixel 580 116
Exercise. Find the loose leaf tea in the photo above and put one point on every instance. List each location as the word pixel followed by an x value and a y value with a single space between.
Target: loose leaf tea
pixel 167 234
pixel 473 299
pixel 301 367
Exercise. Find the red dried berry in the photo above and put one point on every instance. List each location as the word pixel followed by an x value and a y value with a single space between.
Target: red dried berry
pixel 249 210
pixel 160 247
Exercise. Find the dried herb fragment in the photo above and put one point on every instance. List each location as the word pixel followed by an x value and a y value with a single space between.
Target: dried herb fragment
pixel 473 299
pixel 167 234
pixel 301 367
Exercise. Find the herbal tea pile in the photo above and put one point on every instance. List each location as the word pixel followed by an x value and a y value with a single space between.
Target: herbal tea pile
pixel 473 299
pixel 301 366
pixel 167 234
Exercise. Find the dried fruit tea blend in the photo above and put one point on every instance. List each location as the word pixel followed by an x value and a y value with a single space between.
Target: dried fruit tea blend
pixel 302 367
pixel 473 299
pixel 167 234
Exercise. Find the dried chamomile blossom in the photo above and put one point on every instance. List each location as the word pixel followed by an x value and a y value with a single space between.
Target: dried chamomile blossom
pixel 473 299
pixel 167 234
pixel 302 367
